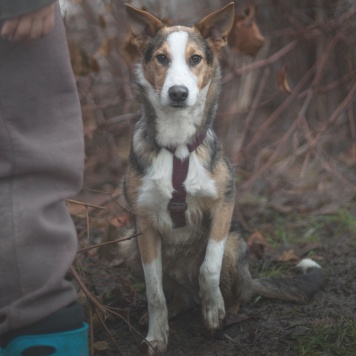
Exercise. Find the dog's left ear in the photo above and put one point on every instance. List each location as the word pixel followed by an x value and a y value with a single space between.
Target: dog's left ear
pixel 216 26
pixel 143 25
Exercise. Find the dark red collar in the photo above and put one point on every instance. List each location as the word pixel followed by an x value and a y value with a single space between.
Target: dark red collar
pixel 177 205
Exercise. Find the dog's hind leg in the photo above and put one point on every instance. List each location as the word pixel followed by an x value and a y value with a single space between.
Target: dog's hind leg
pixel 150 249
pixel 235 279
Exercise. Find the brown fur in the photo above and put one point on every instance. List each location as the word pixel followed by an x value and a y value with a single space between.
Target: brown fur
pixel 154 72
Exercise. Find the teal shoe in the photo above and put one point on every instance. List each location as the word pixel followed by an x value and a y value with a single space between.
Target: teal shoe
pixel 67 343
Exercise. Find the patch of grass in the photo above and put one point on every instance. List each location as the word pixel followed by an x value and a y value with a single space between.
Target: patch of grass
pixel 341 222
pixel 288 230
pixel 296 228
pixel 139 286
pixel 330 338
pixel 274 270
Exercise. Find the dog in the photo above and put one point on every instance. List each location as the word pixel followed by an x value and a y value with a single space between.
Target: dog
pixel 181 187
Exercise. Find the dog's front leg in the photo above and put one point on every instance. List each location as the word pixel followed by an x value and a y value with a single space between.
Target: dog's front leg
pixel 213 307
pixel 150 249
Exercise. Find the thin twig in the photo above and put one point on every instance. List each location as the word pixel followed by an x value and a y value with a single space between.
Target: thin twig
pixel 112 312
pixel 121 118
pixel 109 333
pixel 85 204
pixel 252 112
pixel 278 112
pixel 108 243
pixel 245 318
pixel 91 325
pixel 329 122
pixel 263 62
pixel 98 191
pixel 88 223
pixel 269 163
pixel 86 291
pixel 336 113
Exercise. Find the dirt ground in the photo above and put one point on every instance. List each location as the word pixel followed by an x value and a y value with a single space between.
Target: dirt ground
pixel 270 327
pixel 326 326
pixel 318 226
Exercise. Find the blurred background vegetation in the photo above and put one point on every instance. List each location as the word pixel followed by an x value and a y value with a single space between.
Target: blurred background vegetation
pixel 287 110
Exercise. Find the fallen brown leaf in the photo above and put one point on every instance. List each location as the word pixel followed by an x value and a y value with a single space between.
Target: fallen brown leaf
pixel 288 256
pixel 256 244
pixel 245 35
pixel 121 220
pixel 101 345
pixel 282 81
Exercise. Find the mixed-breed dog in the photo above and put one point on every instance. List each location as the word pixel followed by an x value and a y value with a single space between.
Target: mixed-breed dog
pixel 181 188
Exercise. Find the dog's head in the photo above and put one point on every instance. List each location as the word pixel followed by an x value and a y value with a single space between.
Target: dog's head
pixel 179 62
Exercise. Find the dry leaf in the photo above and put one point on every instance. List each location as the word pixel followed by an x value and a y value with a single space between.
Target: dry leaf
pixel 79 60
pixel 105 48
pixel 129 50
pixel 121 220
pixel 288 256
pixel 101 345
pixel 282 81
pixel 245 35
pixel 256 244
pixel 77 210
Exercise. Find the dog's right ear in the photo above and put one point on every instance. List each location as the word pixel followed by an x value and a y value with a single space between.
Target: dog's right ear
pixel 143 26
pixel 216 26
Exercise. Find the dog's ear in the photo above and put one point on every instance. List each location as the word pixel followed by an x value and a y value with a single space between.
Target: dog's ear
pixel 143 25
pixel 216 26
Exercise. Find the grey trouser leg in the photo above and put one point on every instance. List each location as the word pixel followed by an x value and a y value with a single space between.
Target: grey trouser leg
pixel 41 163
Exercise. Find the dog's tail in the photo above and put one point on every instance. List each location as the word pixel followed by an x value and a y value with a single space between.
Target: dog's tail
pixel 298 289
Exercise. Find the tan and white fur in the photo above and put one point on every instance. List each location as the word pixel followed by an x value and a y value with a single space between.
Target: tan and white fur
pixel 204 262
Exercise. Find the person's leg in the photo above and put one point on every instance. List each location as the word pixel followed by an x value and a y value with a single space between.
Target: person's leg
pixel 41 164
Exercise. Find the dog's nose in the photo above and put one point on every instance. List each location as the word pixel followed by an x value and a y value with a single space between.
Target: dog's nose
pixel 178 93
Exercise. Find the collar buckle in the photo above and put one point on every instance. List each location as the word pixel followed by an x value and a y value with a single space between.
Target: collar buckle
pixel 177 207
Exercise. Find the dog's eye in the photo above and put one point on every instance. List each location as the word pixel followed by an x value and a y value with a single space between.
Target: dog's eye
pixel 162 58
pixel 195 59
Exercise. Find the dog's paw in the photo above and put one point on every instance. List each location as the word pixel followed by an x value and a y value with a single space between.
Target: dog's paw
pixel 157 338
pixel 213 310
pixel 153 347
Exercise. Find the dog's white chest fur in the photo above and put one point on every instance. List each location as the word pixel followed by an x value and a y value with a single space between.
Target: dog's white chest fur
pixel 157 188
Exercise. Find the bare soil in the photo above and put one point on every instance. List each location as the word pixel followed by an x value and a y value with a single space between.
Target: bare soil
pixel 325 326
